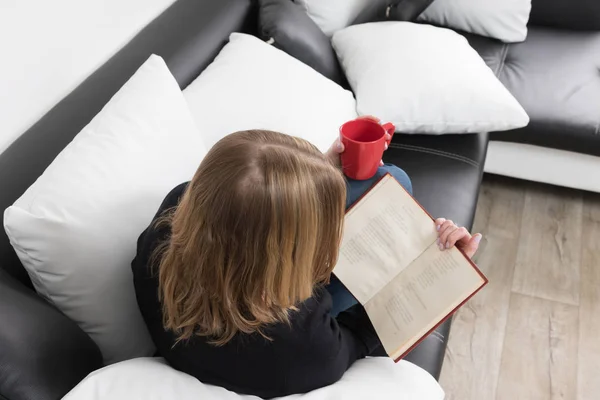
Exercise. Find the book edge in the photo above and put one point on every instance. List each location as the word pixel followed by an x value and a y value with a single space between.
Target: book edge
pixel 484 279
pixel 411 348
pixel 377 182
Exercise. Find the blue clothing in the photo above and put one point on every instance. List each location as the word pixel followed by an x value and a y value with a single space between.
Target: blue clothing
pixel 342 298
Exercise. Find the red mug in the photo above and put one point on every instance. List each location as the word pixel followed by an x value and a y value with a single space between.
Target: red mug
pixel 364 142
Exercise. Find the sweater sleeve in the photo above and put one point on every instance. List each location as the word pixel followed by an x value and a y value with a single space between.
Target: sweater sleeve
pixel 356 321
pixel 342 340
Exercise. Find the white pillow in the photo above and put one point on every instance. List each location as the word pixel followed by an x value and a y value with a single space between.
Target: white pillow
pixel 424 80
pixel 253 85
pixel 505 20
pixel 333 15
pixel 153 379
pixel 75 229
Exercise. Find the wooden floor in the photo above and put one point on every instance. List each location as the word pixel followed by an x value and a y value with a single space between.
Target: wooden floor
pixel 534 331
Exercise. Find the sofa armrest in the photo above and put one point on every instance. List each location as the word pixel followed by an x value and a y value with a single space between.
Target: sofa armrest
pixel 43 354
pixel 566 14
pixel 429 354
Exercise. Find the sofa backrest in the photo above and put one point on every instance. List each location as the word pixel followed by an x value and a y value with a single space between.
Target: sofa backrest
pixel 566 14
pixel 188 36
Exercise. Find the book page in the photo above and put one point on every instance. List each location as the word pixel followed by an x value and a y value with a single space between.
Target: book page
pixel 418 299
pixel 383 233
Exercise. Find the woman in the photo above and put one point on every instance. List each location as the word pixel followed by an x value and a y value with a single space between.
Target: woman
pixel 232 275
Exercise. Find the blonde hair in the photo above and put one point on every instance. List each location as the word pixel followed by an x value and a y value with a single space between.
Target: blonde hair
pixel 256 229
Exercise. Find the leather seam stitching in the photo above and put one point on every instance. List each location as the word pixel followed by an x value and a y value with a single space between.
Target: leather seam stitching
pixel 441 153
pixel 438 335
pixel 502 60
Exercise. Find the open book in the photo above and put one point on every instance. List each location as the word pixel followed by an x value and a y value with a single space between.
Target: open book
pixel 390 262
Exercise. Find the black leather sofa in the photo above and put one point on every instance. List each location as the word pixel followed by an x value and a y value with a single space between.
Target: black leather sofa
pixel 43 354
pixel 555 75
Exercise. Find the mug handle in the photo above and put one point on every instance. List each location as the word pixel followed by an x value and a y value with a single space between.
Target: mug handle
pixel 391 129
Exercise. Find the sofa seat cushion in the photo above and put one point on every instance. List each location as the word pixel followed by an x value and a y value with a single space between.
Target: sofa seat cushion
pixel 555 75
pixel 446 173
pixel 152 378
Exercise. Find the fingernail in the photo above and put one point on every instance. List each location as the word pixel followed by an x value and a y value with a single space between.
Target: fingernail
pixel 339 145
pixel 478 238
pixel 447 245
pixel 441 246
pixel 437 228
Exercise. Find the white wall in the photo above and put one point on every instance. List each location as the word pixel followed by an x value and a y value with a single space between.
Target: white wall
pixel 48 47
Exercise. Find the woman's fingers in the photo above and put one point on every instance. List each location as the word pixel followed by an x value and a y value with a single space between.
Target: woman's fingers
pixel 334 152
pixel 470 248
pixel 461 234
pixel 388 137
pixel 450 235
pixel 438 223
pixel 445 230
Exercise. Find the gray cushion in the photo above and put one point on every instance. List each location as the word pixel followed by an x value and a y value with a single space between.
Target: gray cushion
pixel 555 75
pixel 406 10
pixel 566 14
pixel 294 32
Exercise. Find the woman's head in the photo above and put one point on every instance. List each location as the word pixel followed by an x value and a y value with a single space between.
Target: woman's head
pixel 258 226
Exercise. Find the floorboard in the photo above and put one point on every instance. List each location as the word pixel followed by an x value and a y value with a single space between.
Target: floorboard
pixel 548 261
pixel 589 302
pixel 475 343
pixel 534 332
pixel 539 358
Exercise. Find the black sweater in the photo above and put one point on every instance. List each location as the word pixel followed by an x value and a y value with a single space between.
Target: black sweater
pixel 313 351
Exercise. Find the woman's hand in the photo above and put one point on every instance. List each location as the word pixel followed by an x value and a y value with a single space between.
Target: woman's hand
pixel 449 235
pixel 337 147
